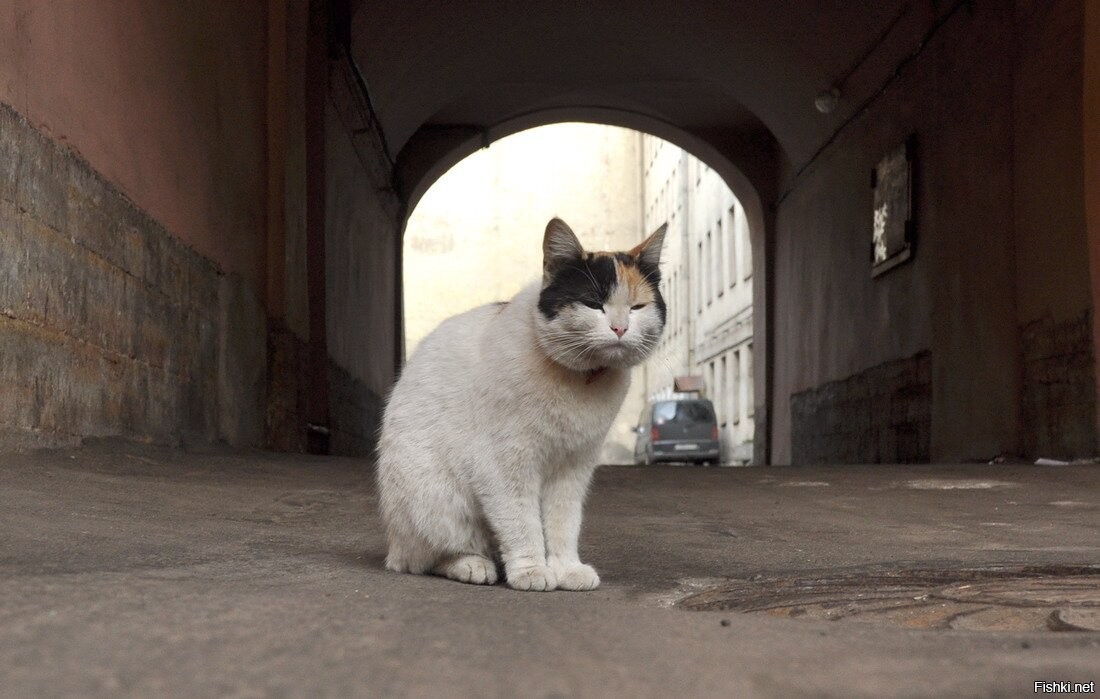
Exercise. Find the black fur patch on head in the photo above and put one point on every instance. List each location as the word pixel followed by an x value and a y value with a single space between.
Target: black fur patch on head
pixel 651 272
pixel 659 302
pixel 588 281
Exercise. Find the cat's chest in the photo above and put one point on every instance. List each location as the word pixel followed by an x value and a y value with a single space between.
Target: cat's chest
pixel 580 411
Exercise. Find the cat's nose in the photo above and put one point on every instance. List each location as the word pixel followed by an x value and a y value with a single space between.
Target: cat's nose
pixel 618 331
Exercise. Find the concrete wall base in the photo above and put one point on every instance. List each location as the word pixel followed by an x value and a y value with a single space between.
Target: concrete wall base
pixel 1059 388
pixel 109 325
pixel 287 369
pixel 880 415
pixel 356 414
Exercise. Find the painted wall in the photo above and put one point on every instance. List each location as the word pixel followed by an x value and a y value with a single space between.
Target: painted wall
pixel 109 324
pixel 1054 299
pixel 1000 230
pixel 165 99
pixel 360 288
pixel 1091 129
pixel 134 155
pixel 154 174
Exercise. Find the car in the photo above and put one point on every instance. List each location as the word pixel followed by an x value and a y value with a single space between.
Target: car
pixel 677 429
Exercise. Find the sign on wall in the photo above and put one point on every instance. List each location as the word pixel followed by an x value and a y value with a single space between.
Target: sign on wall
pixel 893 233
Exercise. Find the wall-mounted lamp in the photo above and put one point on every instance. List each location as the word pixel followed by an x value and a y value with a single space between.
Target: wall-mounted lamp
pixel 826 100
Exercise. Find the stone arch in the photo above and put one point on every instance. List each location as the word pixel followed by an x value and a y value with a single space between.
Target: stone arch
pixel 417 172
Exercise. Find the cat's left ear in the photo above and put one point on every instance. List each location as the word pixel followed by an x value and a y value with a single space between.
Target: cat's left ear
pixel 559 247
pixel 648 252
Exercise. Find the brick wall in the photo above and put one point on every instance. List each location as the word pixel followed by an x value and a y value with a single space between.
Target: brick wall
pixel 880 415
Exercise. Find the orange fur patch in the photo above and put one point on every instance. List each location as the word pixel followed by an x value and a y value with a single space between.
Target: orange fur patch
pixel 641 291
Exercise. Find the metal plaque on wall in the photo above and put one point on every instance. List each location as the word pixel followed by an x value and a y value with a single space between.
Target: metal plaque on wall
pixel 893 233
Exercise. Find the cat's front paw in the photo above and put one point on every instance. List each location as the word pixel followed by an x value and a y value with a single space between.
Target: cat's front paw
pixel 473 569
pixel 575 576
pixel 540 578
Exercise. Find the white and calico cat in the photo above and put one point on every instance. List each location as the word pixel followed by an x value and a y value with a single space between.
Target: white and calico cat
pixel 491 435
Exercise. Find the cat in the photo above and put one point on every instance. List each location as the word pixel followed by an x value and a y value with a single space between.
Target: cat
pixel 491 435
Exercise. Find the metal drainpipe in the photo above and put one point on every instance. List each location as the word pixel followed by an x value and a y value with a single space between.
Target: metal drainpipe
pixel 686 257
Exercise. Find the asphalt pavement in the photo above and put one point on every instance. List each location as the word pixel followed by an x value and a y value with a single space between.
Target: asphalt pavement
pixel 130 570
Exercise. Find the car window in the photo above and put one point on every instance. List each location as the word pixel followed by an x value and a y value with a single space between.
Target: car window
pixel 683 412
pixel 694 412
pixel 663 412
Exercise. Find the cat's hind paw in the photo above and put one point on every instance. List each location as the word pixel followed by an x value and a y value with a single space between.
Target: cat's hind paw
pixel 537 578
pixel 469 568
pixel 576 576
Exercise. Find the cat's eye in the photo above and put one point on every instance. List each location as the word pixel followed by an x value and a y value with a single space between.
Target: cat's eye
pixel 638 306
pixel 593 304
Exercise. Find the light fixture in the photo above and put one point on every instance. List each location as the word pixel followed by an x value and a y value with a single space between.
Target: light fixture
pixel 826 100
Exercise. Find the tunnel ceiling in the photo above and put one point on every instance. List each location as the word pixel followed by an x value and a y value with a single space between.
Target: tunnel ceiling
pixel 728 72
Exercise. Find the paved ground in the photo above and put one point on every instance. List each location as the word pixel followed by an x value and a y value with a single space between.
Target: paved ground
pixel 129 570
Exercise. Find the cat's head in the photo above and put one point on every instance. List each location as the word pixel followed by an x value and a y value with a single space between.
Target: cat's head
pixel 599 309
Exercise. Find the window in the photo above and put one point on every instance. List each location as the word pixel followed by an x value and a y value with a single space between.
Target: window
pixel 682 412
pixel 670 304
pixel 734 231
pixel 719 254
pixel 681 299
pixel 746 249
pixel 663 412
pixel 736 406
pixel 699 280
pixel 675 298
pixel 710 380
pixel 723 412
pixel 709 261
pixel 748 381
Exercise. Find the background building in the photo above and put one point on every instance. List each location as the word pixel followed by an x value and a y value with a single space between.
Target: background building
pixel 476 236
pixel 707 270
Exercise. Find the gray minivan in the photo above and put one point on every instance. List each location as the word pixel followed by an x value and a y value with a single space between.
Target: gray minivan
pixel 677 429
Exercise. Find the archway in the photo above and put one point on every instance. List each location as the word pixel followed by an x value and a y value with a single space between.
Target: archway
pixel 737 280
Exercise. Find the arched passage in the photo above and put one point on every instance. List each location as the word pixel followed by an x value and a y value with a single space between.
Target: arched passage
pixel 417 181
pixel 978 345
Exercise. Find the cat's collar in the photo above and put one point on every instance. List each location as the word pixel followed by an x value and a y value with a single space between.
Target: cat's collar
pixel 593 374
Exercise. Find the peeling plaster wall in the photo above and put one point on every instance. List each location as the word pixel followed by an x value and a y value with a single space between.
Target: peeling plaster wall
pixel 132 222
pixel 109 325
pixel 166 100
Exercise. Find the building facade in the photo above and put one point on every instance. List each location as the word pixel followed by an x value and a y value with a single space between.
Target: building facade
pixel 707 282
pixel 476 236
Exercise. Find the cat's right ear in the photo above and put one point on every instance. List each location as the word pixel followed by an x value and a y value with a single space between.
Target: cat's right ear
pixel 559 247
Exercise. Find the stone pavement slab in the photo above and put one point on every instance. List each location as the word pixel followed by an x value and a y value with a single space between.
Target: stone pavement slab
pixel 129 570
